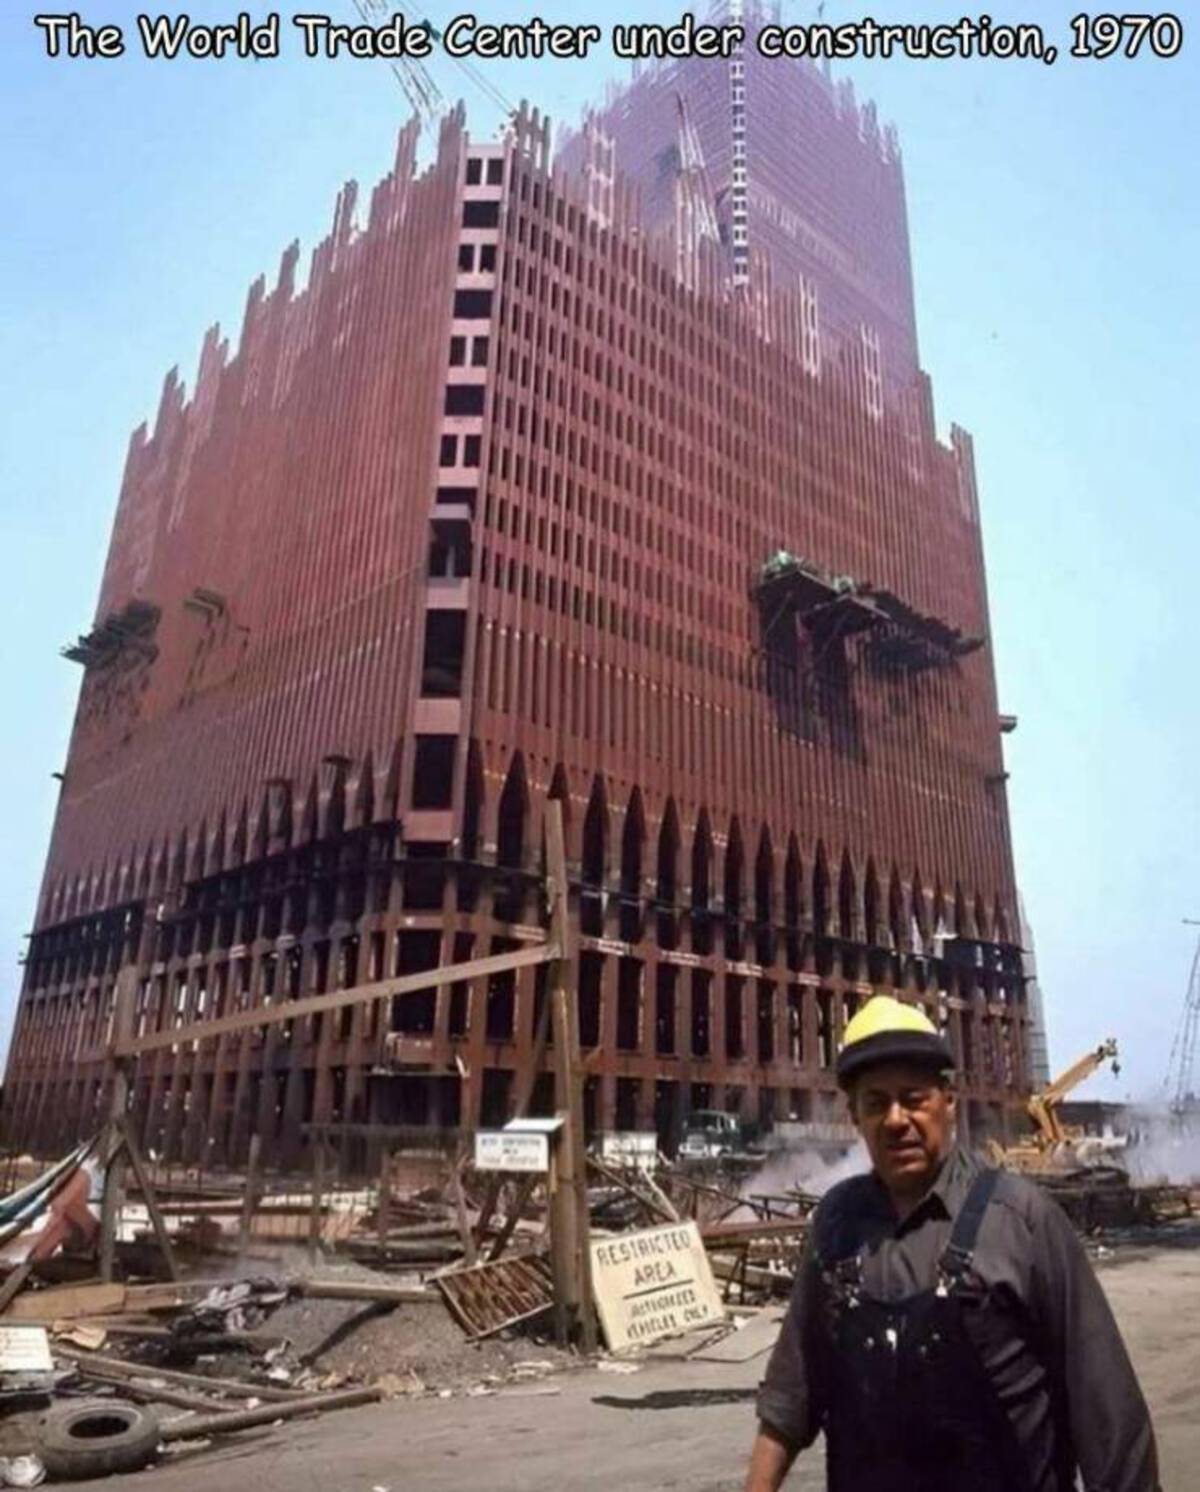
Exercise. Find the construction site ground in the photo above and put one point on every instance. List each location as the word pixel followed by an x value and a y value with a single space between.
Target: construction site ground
pixel 671 1424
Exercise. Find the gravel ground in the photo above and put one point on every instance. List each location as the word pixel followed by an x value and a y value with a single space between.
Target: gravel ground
pixel 420 1345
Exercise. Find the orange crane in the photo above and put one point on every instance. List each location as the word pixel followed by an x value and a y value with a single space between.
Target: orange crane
pixel 1052 1145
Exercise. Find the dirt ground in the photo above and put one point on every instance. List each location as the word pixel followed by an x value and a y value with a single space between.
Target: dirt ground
pixel 670 1425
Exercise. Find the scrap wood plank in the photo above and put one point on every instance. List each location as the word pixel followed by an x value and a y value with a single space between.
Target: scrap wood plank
pixel 753 1230
pixel 757 1336
pixel 67 1301
pixel 485 1298
pixel 117 1367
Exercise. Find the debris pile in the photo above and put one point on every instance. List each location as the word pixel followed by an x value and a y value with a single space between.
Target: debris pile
pixel 421 1284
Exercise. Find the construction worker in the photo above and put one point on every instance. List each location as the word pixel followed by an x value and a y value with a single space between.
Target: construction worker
pixel 946 1330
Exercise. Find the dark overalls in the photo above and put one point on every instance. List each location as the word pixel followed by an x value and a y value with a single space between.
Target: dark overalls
pixel 911 1408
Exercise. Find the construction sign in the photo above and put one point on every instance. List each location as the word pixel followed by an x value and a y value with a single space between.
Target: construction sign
pixel 653 1284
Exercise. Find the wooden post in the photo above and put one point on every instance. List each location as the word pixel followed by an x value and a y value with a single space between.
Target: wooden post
pixel 14 1284
pixel 142 1176
pixel 318 1200
pixel 560 1248
pixel 470 1254
pixel 572 1148
pixel 384 1218
pixel 524 1191
pixel 250 1199
pixel 112 1147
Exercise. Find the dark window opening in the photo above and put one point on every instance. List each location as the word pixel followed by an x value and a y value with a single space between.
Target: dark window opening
pixel 666 1113
pixel 448 451
pixel 466 258
pixel 474 170
pixel 766 1021
pixel 795 1027
pixel 501 997
pixel 433 771
pixel 445 644
pixel 458 351
pixel 460 992
pixel 701 1013
pixel 513 814
pixel 764 903
pixel 825 1026
pixel 479 352
pixel 495 171
pixel 376 965
pixel 591 965
pixel 735 1038
pixel 494 1099
pixel 701 888
pixel 481 214
pixel 487 258
pixel 470 875
pixel 629 1004
pixel 631 870
pixel 450 551
pixel 541 1103
pixel 591 895
pixel 448 1101
pixel 413 1014
pixel 472 305
pixel 664 1010
pixel 540 996
pixel 627 1103
pixel 472 450
pixel 667 886
pixel 424 877
pixel 464 398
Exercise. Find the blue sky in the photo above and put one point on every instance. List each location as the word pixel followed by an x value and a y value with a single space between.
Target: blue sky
pixel 1056 242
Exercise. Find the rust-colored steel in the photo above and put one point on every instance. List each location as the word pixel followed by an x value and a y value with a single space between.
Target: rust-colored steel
pixel 488 1297
pixel 474 520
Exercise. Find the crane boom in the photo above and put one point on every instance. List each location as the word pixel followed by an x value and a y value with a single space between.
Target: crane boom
pixel 1181 1066
pixel 1043 1106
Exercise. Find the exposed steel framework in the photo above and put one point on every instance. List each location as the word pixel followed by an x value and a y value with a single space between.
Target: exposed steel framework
pixel 476 519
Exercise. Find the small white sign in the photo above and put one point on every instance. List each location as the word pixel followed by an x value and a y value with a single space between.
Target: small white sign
pixel 653 1284
pixel 511 1150
pixel 630 1147
pixel 25 1349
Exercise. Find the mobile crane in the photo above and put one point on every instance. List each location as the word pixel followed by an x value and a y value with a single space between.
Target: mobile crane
pixel 1052 1146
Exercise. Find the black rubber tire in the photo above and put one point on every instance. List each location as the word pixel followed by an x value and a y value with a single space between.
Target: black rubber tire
pixel 96 1437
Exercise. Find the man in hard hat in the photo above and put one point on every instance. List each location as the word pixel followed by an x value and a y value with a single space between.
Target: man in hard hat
pixel 946 1330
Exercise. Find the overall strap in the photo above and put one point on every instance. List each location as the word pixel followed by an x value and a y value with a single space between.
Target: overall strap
pixel 959 1252
pixel 838 1253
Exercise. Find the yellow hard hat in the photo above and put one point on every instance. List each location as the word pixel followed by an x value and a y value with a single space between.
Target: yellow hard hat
pixel 888 1030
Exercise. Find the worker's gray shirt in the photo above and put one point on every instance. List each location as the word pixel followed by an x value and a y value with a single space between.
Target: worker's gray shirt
pixel 1065 1374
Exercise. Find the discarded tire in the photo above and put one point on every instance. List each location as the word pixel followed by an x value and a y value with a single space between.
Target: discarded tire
pixel 96 1438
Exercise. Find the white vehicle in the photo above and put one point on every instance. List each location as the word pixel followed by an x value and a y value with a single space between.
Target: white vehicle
pixel 711 1135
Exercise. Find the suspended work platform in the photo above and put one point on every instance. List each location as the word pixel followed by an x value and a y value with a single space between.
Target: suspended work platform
pixel 791 590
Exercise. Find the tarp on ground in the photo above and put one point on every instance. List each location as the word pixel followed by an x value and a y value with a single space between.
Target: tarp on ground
pixel 60 1206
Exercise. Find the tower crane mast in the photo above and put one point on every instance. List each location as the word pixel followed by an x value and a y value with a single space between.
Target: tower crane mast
pixel 1181 1066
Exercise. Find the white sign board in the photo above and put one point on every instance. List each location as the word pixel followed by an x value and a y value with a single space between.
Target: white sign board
pixel 630 1147
pixel 653 1284
pixel 511 1150
pixel 25 1349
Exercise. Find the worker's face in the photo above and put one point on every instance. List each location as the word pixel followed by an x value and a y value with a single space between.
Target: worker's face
pixel 905 1115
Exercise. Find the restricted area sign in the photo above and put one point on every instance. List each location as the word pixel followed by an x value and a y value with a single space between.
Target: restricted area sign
pixel 512 1150
pixel 652 1284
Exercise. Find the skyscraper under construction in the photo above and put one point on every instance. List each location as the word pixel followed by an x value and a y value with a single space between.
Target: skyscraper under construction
pixel 613 479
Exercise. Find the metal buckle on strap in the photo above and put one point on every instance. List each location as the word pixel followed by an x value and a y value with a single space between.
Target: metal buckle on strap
pixel 844 1279
pixel 953 1267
